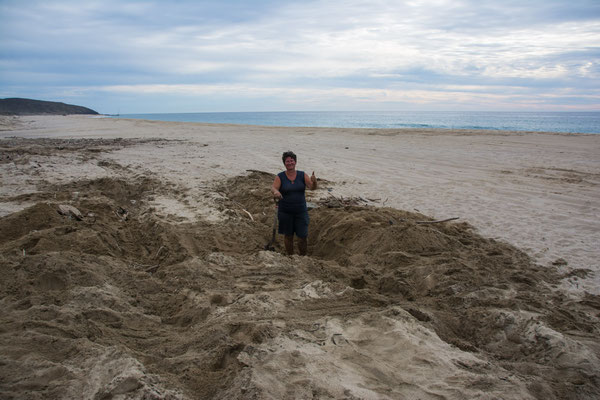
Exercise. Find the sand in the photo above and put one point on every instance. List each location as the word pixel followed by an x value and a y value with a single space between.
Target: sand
pixel 161 286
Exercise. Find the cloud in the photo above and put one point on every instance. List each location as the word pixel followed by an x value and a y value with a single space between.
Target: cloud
pixel 352 48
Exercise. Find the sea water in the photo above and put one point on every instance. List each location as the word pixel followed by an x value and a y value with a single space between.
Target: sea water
pixel 569 122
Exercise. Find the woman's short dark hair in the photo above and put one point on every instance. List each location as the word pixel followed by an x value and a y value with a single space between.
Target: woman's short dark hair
pixel 287 154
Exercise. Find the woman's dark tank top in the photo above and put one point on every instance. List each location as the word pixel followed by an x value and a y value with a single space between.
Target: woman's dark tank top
pixel 293 201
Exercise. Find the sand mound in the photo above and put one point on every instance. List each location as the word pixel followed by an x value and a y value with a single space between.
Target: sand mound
pixel 126 303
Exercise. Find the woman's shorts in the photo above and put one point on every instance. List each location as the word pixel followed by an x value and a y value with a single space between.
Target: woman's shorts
pixel 293 223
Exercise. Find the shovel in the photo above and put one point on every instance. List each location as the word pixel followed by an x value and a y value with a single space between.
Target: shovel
pixel 269 246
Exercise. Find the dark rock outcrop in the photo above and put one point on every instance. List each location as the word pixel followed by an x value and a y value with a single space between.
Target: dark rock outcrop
pixel 17 106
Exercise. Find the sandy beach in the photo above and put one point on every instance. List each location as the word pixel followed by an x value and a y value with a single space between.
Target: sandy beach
pixel 153 281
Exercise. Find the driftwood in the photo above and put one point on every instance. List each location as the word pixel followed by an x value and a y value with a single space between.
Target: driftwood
pixel 250 215
pixel 260 172
pixel 338 202
pixel 145 267
pixel 439 221
pixel 70 211
pixel 152 269
pixel 241 207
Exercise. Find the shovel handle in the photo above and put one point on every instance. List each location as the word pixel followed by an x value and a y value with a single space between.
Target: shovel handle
pixel 269 246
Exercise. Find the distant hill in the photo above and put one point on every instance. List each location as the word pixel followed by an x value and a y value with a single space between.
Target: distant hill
pixel 16 106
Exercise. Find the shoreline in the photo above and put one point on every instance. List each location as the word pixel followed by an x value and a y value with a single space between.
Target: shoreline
pixel 401 129
pixel 567 122
pixel 362 130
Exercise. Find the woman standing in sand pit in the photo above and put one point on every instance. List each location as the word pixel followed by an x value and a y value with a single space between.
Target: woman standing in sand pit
pixel 289 187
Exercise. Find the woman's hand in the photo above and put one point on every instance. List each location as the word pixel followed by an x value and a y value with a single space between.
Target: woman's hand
pixel 277 195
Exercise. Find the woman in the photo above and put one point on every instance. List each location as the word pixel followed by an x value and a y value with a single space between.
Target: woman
pixel 288 188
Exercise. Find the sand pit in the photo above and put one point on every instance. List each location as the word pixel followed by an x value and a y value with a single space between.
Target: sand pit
pixel 162 290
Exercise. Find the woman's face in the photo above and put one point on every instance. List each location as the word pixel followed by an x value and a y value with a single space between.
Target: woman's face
pixel 290 163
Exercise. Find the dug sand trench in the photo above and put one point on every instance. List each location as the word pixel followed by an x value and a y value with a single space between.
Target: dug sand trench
pixel 126 302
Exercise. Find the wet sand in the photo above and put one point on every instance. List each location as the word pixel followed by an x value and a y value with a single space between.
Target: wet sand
pixel 161 287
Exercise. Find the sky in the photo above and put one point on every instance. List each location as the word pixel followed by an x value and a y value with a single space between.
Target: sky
pixel 118 56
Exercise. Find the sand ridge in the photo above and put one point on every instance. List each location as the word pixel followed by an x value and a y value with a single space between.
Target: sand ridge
pixel 163 289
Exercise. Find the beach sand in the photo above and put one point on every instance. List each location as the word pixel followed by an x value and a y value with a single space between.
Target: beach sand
pixel 161 287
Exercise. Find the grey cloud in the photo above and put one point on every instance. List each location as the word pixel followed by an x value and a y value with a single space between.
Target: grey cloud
pixel 478 45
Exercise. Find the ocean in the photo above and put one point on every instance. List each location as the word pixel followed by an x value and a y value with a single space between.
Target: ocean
pixel 568 122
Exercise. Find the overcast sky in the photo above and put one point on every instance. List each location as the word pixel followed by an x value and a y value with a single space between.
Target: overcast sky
pixel 120 56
